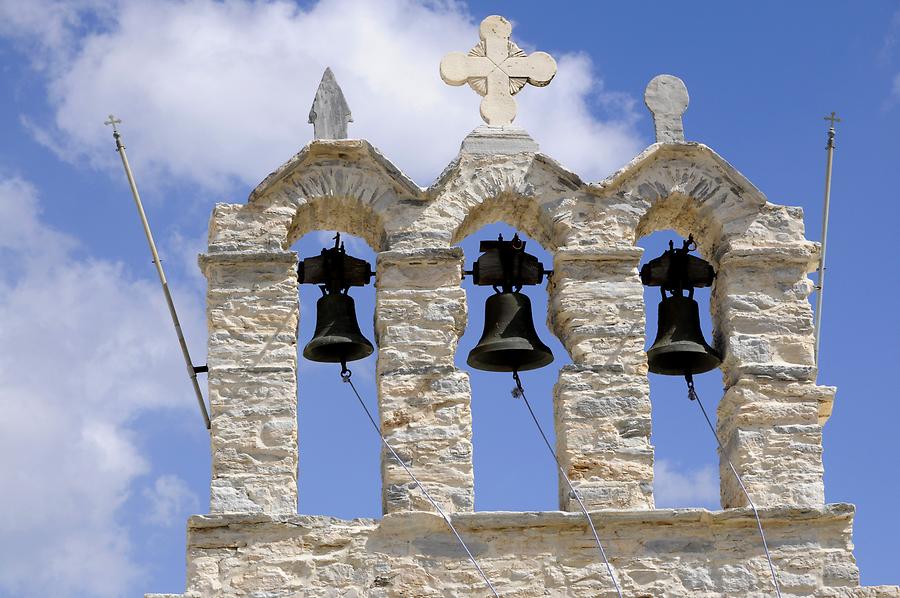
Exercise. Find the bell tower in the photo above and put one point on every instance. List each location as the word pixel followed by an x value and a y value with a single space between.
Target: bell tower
pixel 252 542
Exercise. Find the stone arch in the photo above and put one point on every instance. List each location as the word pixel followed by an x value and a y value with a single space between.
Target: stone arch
pixel 522 458
pixel 762 321
pixel 530 192
pixel 338 213
pixel 340 184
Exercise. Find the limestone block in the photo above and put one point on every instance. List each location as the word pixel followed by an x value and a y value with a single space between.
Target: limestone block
pixel 426 416
pixel 666 552
pixel 423 399
pixel 772 433
pixel 252 311
pixel 597 308
pixel 763 319
pixel 602 418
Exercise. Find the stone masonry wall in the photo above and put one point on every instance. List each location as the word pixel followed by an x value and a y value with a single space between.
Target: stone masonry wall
pixel 254 544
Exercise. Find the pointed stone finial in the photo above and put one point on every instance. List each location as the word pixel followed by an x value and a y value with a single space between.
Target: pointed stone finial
pixel 497 69
pixel 330 113
pixel 667 98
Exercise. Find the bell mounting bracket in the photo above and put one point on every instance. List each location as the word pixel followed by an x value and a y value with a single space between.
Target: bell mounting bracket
pixel 505 266
pixel 677 271
pixel 334 271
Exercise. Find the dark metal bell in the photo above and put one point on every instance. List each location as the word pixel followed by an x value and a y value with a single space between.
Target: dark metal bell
pixel 338 338
pixel 509 342
pixel 680 348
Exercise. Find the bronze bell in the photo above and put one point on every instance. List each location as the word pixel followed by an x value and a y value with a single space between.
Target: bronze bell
pixel 337 338
pixel 509 342
pixel 679 348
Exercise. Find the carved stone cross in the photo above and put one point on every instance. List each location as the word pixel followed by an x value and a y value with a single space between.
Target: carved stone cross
pixel 497 69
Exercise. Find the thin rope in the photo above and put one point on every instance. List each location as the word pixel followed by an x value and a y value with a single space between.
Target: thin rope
pixel 519 392
pixel 345 376
pixel 692 395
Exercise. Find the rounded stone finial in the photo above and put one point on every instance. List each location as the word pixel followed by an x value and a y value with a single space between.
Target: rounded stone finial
pixel 667 98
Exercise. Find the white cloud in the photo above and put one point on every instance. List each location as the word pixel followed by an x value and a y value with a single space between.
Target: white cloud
pixel 169 498
pixel 85 348
pixel 685 488
pixel 895 90
pixel 218 92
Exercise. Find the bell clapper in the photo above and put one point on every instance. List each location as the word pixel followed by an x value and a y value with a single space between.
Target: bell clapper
pixel 518 392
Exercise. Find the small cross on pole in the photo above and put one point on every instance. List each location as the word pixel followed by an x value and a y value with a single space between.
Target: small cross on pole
pixel 829 148
pixel 192 370
pixel 113 121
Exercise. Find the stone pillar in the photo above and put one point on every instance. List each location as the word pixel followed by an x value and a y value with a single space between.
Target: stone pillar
pixel 252 312
pixel 425 402
pixel 602 401
pixel 770 418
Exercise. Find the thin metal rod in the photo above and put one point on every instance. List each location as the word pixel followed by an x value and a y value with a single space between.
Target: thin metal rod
pixel 519 392
pixel 820 283
pixel 192 371
pixel 345 376
pixel 692 395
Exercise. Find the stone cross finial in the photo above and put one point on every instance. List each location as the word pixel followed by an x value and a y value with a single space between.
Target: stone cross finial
pixel 667 98
pixel 330 113
pixel 497 69
pixel 115 121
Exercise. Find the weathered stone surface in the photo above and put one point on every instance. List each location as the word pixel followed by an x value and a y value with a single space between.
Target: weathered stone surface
pixel 330 113
pixel 602 418
pixel 770 418
pixel 667 98
pixel 526 555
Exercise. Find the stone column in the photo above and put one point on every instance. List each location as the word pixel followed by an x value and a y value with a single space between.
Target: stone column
pixel 770 418
pixel 602 401
pixel 425 402
pixel 252 313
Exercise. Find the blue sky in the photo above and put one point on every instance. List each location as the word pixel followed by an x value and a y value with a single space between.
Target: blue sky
pixel 105 455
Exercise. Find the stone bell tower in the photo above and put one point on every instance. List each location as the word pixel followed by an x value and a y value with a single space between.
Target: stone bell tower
pixel 253 543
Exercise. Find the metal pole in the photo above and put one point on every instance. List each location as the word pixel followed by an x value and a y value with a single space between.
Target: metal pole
pixel 192 371
pixel 829 148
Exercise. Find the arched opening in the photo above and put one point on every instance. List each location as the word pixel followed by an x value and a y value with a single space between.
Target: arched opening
pixel 340 453
pixel 513 470
pixel 686 468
